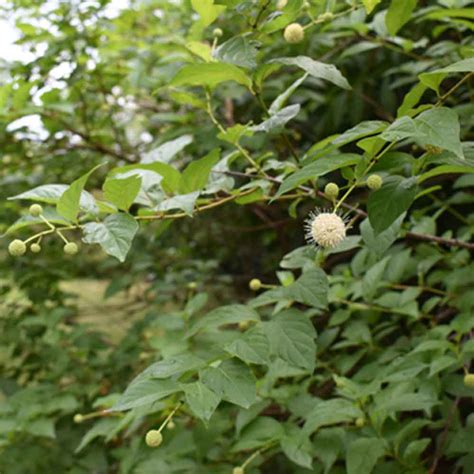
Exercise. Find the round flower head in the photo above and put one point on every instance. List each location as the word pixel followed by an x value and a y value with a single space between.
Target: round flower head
pixel 71 248
pixel 217 33
pixel 238 470
pixel 281 4
pixel 35 248
pixel 153 438
pixel 36 210
pixel 17 248
pixel 78 418
pixel 326 16
pixel 374 181
pixel 255 284
pixel 360 422
pixel 325 229
pixel 331 190
pixel 171 425
pixel 469 380
pixel 294 33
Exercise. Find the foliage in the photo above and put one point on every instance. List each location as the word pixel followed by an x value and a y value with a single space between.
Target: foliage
pixel 192 158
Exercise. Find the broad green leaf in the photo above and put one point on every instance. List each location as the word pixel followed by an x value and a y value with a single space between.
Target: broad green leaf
pixel 102 428
pixel 68 203
pixel 196 174
pixel 233 381
pixel 411 99
pixel 115 234
pixel 290 13
pixel 399 400
pixel 203 50
pixel 310 288
pixel 316 169
pixel 51 193
pixel 316 69
pixel 207 10
pixel 210 75
pixel 445 169
pixel 27 221
pixel 361 130
pixel 238 51
pixel 260 432
pixel 363 454
pixel 331 412
pixel 381 242
pixel 434 78
pixel 230 314
pixel 280 101
pixel 370 4
pixel 252 347
pixel 172 366
pixel 399 13
pixel 278 120
pixel 201 400
pixel 145 392
pixel 122 192
pixel 390 201
pixel 165 152
pixel 185 202
pixel 373 278
pixel 292 338
pixel 297 447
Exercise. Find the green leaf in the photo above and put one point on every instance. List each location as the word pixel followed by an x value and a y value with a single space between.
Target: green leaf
pixel 373 278
pixel 115 234
pixel 316 69
pixel 223 315
pixel 411 99
pixel 27 221
pixel 361 130
pixel 331 412
pixel 207 10
pixel 171 366
pixel 210 75
pixel 166 151
pixel 316 169
pixel 434 78
pixel 102 428
pixel 202 401
pixel 370 4
pixel 238 51
pixel 278 120
pixel 122 192
pixel 252 347
pixel 363 454
pixel 233 381
pixel 260 432
pixel 145 392
pixel 196 174
pixel 280 101
pixel 390 201
pixel 297 447
pixel 445 169
pixel 68 204
pixel 381 242
pixel 399 13
pixel 292 338
pixel 310 288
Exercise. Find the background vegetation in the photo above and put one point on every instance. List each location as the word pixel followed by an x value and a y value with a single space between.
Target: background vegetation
pixel 190 140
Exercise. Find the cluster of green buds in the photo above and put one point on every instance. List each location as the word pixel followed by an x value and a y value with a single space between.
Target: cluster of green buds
pixel 18 247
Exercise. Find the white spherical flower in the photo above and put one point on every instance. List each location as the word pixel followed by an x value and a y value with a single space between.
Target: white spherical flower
pixel 325 229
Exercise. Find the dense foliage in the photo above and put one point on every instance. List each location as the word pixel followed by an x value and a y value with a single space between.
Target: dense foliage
pixel 182 145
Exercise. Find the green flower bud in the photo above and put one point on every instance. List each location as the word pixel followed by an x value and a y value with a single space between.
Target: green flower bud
pixel 281 4
pixel 469 380
pixel 78 418
pixel 374 181
pixel 360 422
pixel 71 248
pixel 192 285
pixel 17 248
pixel 326 16
pixel 217 33
pixel 153 438
pixel 331 190
pixel 36 210
pixel 171 425
pixel 294 33
pixel 243 325
pixel 306 5
pixel 255 284
pixel 35 248
pixel 238 470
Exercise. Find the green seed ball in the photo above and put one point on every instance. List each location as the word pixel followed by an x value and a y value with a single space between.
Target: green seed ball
pixel 36 210
pixel 171 425
pixel 217 33
pixel 153 438
pixel 17 248
pixel 469 380
pixel 374 181
pixel 294 33
pixel 306 5
pixel 326 16
pixel 78 418
pixel 238 470
pixel 255 284
pixel 71 248
pixel 331 190
pixel 281 4
pixel 243 325
pixel 360 422
pixel 35 248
